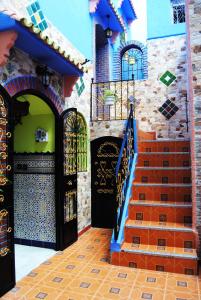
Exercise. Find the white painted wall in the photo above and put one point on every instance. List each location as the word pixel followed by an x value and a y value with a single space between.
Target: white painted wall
pixel 139 26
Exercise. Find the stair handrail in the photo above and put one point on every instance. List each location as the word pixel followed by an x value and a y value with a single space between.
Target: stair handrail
pixel 125 170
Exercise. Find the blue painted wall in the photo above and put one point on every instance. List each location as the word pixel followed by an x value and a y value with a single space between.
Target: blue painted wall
pixel 160 20
pixel 72 18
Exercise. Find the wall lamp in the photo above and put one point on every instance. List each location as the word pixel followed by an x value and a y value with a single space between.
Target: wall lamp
pixel 108 30
pixel 44 74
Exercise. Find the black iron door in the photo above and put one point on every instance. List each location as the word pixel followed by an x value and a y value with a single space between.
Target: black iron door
pixel 69 177
pixel 104 156
pixel 7 264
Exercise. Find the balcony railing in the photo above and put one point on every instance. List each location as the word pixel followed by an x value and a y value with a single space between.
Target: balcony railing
pixel 119 110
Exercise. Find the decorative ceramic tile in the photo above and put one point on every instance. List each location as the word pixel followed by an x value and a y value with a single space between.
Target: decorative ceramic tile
pixel 114 290
pixel 80 86
pixel 167 78
pixel 168 109
pixel 84 285
pixel 41 295
pixel 37 16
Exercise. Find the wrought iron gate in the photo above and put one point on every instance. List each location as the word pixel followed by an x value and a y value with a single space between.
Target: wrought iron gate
pixel 69 178
pixel 104 156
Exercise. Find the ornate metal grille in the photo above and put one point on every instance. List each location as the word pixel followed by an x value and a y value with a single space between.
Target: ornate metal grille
pixel 5 168
pixel 81 144
pixel 119 110
pixel 70 165
pixel 132 64
pixel 123 169
pixel 70 143
pixel 178 7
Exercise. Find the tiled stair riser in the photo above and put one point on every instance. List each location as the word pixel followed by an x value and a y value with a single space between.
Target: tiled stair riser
pixel 151 262
pixel 152 236
pixel 161 160
pixel 159 213
pixel 172 146
pixel 165 175
pixel 162 193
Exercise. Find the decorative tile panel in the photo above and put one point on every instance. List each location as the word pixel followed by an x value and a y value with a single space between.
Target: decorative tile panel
pixel 167 78
pixel 168 109
pixel 34 201
pixel 80 86
pixel 36 16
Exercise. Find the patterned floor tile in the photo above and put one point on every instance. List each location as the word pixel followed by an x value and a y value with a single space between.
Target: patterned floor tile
pixel 78 273
pixel 182 283
pixel 145 293
pixel 113 290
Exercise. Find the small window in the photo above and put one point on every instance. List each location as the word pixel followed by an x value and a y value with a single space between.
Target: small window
pixel 178 7
pixel 132 64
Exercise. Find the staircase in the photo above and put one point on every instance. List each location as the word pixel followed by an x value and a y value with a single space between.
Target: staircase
pixel 158 232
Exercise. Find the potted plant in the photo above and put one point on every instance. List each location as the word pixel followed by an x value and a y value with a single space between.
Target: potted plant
pixel 109 97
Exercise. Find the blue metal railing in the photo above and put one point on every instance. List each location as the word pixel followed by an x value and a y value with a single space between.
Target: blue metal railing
pixel 125 171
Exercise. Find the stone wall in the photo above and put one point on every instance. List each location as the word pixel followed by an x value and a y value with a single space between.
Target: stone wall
pixel 20 64
pixel 163 54
pixel 193 12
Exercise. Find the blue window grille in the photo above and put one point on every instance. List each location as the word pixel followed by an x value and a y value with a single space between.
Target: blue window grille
pixel 132 64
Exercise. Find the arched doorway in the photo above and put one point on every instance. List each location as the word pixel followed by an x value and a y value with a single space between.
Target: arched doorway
pixel 16 133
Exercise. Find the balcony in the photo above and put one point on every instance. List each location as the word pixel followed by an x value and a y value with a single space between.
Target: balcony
pixel 102 110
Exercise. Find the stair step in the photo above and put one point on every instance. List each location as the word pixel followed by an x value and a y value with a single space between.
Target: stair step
pixel 167 226
pixel 163 146
pixel 162 192
pixel 159 233
pixel 160 251
pixel 154 184
pixel 160 203
pixel 160 213
pixel 163 175
pixel 172 159
pixel 157 262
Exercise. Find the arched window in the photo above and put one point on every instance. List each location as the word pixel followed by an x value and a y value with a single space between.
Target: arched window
pixel 132 64
pixel 81 144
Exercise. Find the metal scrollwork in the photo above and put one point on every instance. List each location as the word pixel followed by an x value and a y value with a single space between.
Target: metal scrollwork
pixel 3 213
pixel 4 251
pixel 70 206
pixel 123 169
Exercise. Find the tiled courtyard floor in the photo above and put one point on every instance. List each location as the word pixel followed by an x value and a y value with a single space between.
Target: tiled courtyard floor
pixel 82 272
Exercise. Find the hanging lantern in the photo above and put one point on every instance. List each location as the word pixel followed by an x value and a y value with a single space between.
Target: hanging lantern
pixel 108 30
pixel 44 74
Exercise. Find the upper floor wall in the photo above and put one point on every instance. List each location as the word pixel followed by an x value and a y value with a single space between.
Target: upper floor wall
pixel 72 18
pixel 160 19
